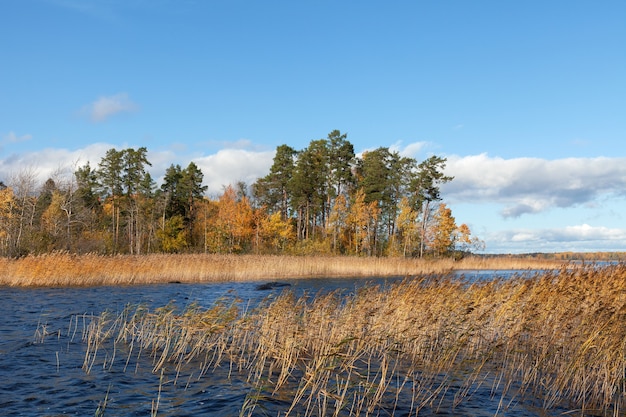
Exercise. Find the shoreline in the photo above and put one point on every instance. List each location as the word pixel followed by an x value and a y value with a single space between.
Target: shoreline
pixel 69 270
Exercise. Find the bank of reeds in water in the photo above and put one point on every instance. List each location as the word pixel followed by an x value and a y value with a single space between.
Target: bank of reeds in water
pixel 557 339
pixel 64 269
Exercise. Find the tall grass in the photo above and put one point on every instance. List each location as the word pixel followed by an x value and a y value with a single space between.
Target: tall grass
pixel 558 338
pixel 63 269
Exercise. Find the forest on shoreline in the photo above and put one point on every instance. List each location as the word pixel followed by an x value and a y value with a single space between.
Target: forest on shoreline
pixel 322 200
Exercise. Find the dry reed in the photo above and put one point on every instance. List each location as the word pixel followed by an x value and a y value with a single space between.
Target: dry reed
pixel 64 269
pixel 557 337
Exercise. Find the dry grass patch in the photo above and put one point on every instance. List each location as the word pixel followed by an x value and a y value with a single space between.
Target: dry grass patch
pixel 63 269
pixel 557 338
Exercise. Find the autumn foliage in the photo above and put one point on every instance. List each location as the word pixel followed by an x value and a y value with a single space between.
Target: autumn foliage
pixel 320 200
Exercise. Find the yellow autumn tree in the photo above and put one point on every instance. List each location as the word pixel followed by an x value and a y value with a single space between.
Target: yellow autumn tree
pixel 275 232
pixel 54 224
pixel 232 228
pixel 53 217
pixel 213 228
pixel 337 224
pixel 244 224
pixel 173 236
pixel 465 241
pixel 7 214
pixel 362 219
pixel 205 211
pixel 407 228
pixel 357 220
pixel 443 231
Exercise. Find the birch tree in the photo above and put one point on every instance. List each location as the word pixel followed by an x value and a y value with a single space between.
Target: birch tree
pixel 426 190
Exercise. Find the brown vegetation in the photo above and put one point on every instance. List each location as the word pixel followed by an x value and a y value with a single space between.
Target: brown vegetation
pixel 63 269
pixel 557 338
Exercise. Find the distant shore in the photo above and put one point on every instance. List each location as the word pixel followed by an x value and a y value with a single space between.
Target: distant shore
pixel 63 269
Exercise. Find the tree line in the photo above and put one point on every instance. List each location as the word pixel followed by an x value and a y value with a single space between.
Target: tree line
pixel 323 199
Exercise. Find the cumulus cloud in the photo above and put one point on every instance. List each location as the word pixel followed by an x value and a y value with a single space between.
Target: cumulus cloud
pixel 411 150
pixel 50 163
pixel 225 167
pixel 533 185
pixel 570 238
pixel 107 106
pixel 520 186
pixel 228 166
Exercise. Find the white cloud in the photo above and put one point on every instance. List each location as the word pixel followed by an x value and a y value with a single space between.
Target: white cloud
pixel 12 137
pixel 520 186
pixel 411 150
pixel 228 166
pixel 51 162
pixel 533 185
pixel 585 232
pixel 480 180
pixel 575 238
pixel 225 167
pixel 105 107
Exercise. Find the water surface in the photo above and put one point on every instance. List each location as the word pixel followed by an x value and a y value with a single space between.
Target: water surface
pixel 46 378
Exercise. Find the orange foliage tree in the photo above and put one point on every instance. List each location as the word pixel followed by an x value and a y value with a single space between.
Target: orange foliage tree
pixel 231 229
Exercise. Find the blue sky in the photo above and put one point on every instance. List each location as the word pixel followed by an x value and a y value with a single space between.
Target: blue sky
pixel 527 100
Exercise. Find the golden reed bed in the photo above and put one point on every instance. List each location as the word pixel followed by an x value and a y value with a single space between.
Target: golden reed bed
pixel 554 339
pixel 62 269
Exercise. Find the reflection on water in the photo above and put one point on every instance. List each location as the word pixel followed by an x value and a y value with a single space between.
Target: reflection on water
pixel 47 379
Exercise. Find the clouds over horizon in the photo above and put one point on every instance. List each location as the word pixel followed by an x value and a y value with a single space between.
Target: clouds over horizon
pixel 51 162
pixel 533 185
pixel 107 106
pixel 520 185
pixel 225 167
pixel 517 187
pixel 575 238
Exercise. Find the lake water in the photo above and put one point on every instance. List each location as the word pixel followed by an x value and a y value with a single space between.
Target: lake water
pixel 47 379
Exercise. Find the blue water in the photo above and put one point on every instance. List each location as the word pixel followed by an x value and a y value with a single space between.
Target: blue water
pixel 46 378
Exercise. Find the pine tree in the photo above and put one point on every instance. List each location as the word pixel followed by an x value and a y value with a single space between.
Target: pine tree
pixel 273 191
pixel 426 189
pixel 309 188
pixel 111 188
